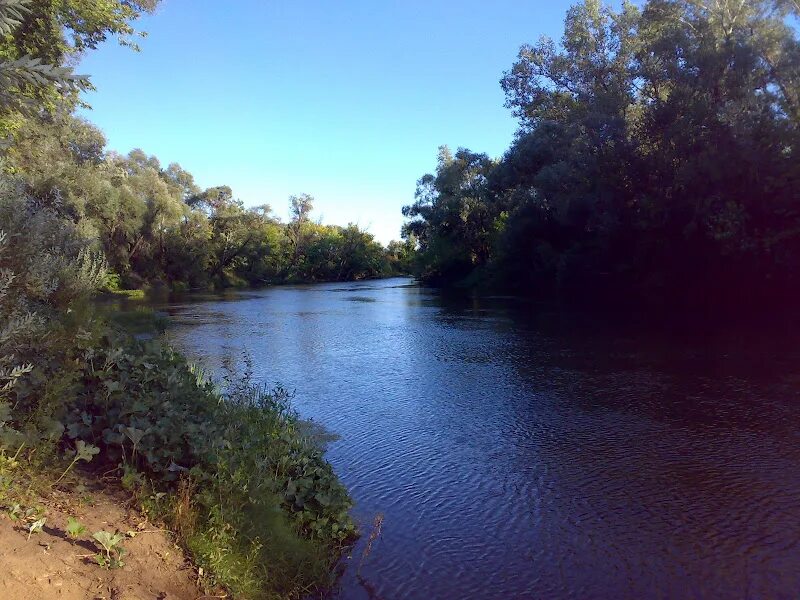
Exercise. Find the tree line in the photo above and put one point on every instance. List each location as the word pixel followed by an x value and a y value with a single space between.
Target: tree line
pixel 151 221
pixel 155 225
pixel 656 158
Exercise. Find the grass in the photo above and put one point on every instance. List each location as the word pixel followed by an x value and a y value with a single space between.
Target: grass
pixel 127 294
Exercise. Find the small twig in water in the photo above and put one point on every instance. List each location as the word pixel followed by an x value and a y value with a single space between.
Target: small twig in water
pixel 377 523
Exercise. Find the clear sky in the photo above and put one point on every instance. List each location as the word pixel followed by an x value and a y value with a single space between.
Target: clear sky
pixel 347 101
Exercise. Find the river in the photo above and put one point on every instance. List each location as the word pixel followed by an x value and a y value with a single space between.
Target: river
pixel 520 453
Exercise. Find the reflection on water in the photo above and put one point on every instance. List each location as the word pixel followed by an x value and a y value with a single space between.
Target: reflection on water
pixel 517 454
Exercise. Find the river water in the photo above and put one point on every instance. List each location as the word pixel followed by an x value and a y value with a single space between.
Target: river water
pixel 516 453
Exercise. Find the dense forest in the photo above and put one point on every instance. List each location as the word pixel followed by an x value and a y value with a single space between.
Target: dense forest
pixel 656 159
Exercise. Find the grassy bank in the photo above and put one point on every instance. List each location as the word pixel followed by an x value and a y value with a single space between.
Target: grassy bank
pixel 251 499
pixel 224 465
pixel 254 501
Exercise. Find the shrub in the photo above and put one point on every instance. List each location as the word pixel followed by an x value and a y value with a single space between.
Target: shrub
pixel 46 269
pixel 260 491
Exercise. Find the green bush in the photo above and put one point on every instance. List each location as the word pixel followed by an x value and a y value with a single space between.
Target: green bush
pixel 262 491
pixel 46 270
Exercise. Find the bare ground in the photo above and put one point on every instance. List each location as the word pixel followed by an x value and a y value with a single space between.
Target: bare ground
pixel 51 565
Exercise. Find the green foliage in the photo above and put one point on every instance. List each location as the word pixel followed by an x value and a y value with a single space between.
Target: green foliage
pixel 16 74
pixel 112 550
pixel 14 512
pixel 656 159
pixel 134 319
pixel 156 228
pixel 144 405
pixel 75 528
pixel 83 451
pixel 11 14
pixel 267 508
pixel 39 38
pixel 59 30
pixel 46 271
pixel 401 255
pixel 450 218
pixel 19 71
pixel 8 468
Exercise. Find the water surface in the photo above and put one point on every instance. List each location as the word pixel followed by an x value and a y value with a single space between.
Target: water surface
pixel 517 453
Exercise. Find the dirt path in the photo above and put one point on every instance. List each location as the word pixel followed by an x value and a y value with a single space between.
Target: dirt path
pixel 52 565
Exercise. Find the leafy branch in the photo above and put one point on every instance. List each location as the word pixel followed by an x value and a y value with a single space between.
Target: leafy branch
pixel 11 14
pixel 27 70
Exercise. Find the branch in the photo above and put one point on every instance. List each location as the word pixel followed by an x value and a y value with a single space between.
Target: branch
pixel 11 14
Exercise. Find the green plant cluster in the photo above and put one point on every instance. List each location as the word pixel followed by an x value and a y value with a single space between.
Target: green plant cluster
pixel 113 552
pixel 265 515
pixel 158 229
pixel 144 406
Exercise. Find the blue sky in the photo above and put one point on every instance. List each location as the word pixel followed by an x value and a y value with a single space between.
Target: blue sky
pixel 347 101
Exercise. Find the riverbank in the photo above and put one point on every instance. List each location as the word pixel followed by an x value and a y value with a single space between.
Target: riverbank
pixel 60 559
pixel 225 468
pixel 165 291
pixel 223 465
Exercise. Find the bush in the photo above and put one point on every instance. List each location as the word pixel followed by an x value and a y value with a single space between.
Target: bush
pixel 260 490
pixel 46 269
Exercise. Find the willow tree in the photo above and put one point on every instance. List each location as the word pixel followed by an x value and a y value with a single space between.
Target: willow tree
pixel 38 40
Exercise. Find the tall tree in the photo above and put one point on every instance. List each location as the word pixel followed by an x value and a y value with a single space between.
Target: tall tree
pixel 656 154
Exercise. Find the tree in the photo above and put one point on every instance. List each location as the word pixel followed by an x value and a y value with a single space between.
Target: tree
pixel 401 254
pixel 300 207
pixel 54 30
pixel 453 213
pixel 21 71
pixel 621 178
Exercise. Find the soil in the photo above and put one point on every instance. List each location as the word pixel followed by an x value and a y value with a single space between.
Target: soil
pixel 51 565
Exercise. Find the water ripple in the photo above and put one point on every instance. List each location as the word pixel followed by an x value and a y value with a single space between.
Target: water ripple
pixel 517 458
